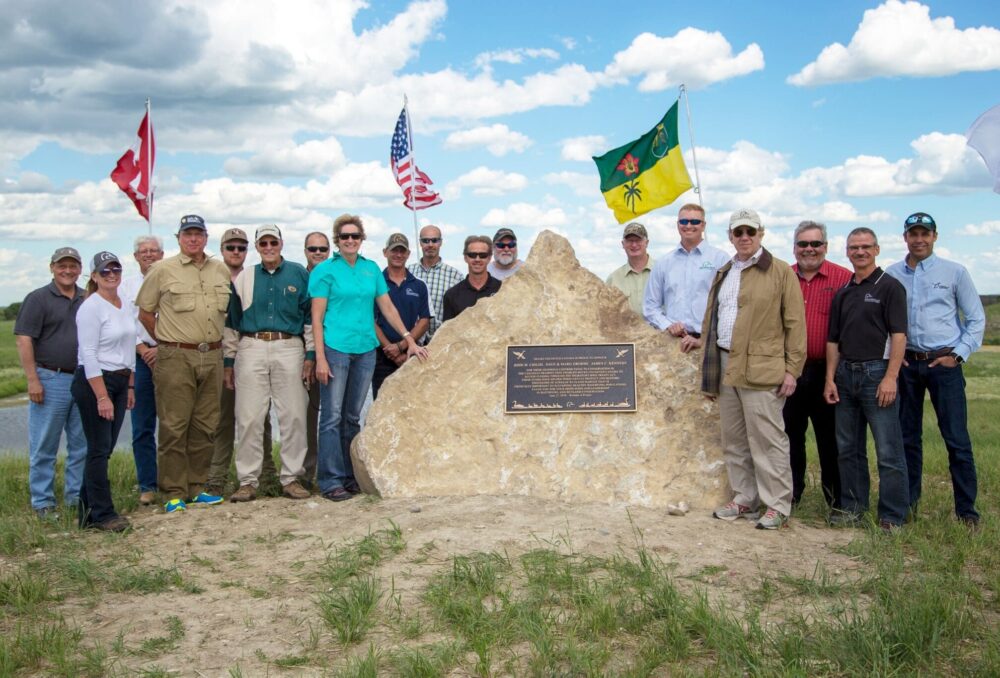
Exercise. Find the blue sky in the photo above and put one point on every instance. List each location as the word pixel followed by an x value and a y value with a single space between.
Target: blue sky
pixel 848 113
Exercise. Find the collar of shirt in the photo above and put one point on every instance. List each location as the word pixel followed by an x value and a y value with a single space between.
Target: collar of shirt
pixel 740 265
pixel 54 289
pixel 680 248
pixel 388 280
pixel 872 278
pixel 924 265
pixel 276 269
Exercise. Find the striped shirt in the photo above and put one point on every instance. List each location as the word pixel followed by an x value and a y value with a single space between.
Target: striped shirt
pixel 439 278
pixel 729 296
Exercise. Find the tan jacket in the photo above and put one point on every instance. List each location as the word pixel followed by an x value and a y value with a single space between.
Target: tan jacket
pixel 769 338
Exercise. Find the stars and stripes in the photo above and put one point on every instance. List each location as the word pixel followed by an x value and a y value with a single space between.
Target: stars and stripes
pixel 417 195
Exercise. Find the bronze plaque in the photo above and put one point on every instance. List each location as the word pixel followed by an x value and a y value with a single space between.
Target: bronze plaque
pixel 550 379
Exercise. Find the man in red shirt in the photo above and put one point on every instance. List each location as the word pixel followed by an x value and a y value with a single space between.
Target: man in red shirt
pixel 819 280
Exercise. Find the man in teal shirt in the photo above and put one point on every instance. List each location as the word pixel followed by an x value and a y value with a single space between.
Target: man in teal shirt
pixel 268 357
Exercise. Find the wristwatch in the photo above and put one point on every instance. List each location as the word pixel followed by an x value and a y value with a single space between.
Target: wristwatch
pixel 958 358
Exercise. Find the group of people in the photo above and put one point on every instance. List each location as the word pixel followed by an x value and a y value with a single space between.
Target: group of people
pixel 847 350
pixel 201 348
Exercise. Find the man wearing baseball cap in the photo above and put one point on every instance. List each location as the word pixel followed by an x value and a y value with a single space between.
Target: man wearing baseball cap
pixel 505 262
pixel 631 277
pixel 45 332
pixel 269 358
pixel 946 323
pixel 182 304
pixel 409 295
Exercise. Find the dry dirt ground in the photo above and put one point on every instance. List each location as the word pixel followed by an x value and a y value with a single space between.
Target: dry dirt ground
pixel 254 566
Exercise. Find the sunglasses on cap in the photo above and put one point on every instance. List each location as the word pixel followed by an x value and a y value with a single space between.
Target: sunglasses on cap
pixel 350 236
pixel 692 222
pixel 478 255
pixel 915 219
pixel 317 248
pixel 506 245
pixel 815 244
pixel 740 231
pixel 235 248
pixel 430 241
pixel 110 271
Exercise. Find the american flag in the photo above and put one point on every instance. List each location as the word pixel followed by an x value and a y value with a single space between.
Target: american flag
pixel 409 177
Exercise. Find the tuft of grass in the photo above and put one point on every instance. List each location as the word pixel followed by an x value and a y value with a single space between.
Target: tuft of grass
pixel 157 645
pixel 362 666
pixel 348 611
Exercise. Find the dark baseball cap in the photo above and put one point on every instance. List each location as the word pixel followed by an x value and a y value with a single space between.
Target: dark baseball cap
pixel 504 233
pixel 101 261
pixel 192 221
pixel 66 253
pixel 920 219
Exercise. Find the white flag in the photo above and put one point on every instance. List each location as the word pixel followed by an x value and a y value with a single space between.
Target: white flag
pixel 984 136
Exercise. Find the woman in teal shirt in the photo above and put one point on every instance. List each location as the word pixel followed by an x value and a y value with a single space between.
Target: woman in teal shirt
pixel 344 292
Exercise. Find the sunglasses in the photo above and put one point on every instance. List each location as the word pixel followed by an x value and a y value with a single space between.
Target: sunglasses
pixel 506 245
pixel 350 236
pixel 744 230
pixel 317 248
pixel 815 244
pixel 478 255
pixel 919 219
pixel 692 222
pixel 110 271
pixel 268 243
pixel 235 248
pixel 859 248
pixel 430 241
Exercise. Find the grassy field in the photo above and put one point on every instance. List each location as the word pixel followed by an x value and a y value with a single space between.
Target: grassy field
pixel 11 376
pixel 992 325
pixel 925 601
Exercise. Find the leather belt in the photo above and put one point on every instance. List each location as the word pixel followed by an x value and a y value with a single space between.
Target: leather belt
pixel 930 355
pixel 60 370
pixel 203 347
pixel 269 336
pixel 124 372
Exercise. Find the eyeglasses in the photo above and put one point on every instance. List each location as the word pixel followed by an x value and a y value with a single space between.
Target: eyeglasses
pixel 430 241
pixel 235 248
pixel 692 222
pixel 350 236
pixel 744 230
pixel 110 271
pixel 268 243
pixel 317 248
pixel 920 219
pixel 478 255
pixel 859 248
pixel 147 253
pixel 815 244
pixel 506 245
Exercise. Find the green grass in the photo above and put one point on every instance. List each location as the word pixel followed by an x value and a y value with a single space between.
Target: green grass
pixel 992 325
pixel 12 379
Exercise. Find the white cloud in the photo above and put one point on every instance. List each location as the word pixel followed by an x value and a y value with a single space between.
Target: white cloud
pixel 900 38
pixel 984 228
pixel 497 139
pixel 514 56
pixel 525 214
pixel 315 157
pixel 581 184
pixel 485 181
pixel 582 149
pixel 694 57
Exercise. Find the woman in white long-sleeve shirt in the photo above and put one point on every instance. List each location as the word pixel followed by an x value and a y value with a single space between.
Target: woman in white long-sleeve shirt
pixel 103 386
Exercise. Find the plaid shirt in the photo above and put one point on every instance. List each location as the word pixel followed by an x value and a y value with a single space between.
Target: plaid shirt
pixel 439 278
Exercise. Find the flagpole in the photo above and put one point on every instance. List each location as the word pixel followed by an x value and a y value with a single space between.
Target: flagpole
pixel 413 171
pixel 149 166
pixel 694 152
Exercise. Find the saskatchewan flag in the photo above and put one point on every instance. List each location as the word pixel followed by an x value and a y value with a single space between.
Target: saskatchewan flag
pixel 646 173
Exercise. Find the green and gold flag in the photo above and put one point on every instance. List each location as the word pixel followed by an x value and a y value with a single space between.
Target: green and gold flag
pixel 645 174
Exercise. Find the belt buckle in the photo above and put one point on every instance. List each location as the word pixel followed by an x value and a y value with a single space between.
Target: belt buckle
pixel 203 347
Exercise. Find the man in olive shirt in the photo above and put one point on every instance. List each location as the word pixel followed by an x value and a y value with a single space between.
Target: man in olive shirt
pixel 182 304
pixel 269 312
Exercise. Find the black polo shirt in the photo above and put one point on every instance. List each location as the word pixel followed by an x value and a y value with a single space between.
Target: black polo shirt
pixel 863 315
pixel 49 318
pixel 463 295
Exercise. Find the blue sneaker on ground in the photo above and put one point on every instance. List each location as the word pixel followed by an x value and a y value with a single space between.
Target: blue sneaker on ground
pixel 175 505
pixel 207 499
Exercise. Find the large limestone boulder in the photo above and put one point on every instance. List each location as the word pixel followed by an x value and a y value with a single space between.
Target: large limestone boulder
pixel 439 427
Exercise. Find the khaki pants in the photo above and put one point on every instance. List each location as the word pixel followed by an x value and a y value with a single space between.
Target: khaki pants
pixel 225 438
pixel 270 371
pixel 755 446
pixel 187 386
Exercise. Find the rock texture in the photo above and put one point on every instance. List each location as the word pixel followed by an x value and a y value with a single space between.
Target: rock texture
pixel 438 428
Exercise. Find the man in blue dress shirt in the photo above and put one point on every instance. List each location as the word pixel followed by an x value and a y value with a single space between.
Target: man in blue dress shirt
pixel 946 325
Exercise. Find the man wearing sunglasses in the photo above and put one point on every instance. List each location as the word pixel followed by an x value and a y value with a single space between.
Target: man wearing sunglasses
pixel 269 357
pixel 945 326
pixel 437 275
pixel 475 286
pixel 505 262
pixel 317 250
pixel 674 300
pixel 819 281
pixel 755 347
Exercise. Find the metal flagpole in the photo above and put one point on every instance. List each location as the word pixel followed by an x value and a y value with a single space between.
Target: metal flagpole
pixel 149 166
pixel 694 152
pixel 413 171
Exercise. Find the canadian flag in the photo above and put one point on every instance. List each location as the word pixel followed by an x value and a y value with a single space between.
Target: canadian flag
pixel 133 173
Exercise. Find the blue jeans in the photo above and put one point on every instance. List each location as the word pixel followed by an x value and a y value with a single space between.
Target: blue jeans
pixel 96 505
pixel 947 388
pixel 46 421
pixel 144 427
pixel 857 385
pixel 341 400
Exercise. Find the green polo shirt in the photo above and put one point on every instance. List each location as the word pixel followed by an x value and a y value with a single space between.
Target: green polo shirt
pixel 631 283
pixel 280 303
pixel 350 293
